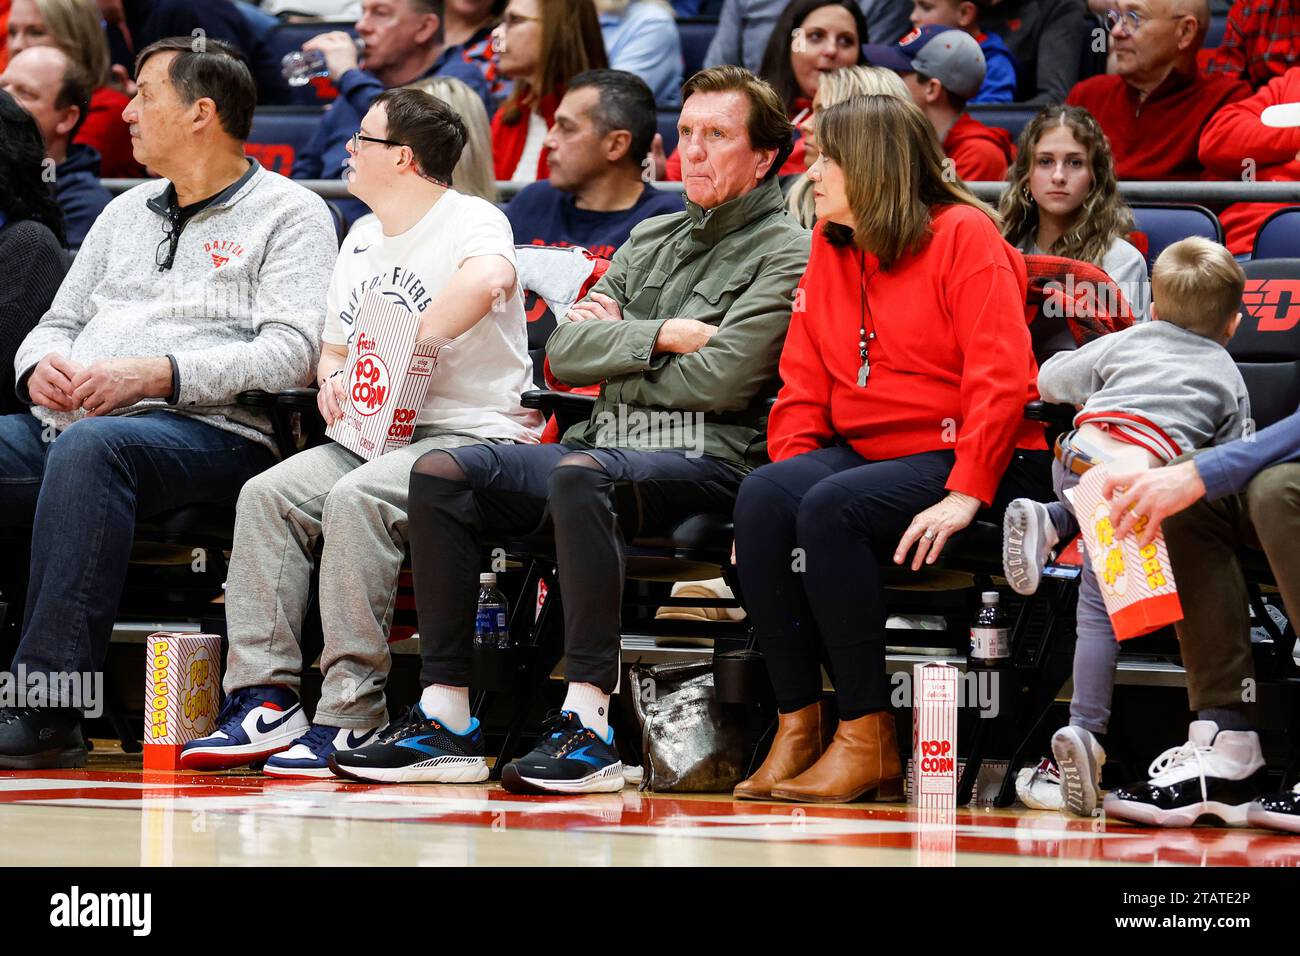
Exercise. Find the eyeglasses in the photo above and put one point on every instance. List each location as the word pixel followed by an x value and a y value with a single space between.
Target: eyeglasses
pixel 1133 20
pixel 358 139
pixel 165 256
pixel 517 20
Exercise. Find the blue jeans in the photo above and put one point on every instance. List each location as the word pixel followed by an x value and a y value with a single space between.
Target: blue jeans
pixel 81 494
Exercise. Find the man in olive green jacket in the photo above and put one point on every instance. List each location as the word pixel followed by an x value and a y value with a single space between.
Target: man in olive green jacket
pixel 685 331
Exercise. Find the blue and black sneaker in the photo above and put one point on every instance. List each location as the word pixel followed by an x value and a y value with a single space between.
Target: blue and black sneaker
pixel 254 723
pixel 309 755
pixel 416 749
pixel 569 758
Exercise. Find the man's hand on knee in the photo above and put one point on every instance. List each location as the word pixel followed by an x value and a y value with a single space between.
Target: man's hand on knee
pixel 120 382
pixel 51 383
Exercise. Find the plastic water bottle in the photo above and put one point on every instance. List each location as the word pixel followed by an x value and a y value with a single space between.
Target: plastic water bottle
pixel 490 627
pixel 990 635
pixel 301 66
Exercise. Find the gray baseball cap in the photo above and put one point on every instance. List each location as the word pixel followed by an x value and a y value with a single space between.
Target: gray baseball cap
pixel 949 55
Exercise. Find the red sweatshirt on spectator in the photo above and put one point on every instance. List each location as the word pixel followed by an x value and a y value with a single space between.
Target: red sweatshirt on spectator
pixel 951 362
pixel 1235 134
pixel 106 131
pixel 980 153
pixel 1156 138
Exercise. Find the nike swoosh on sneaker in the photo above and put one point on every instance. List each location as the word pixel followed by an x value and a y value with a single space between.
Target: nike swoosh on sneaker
pixel 265 727
pixel 354 741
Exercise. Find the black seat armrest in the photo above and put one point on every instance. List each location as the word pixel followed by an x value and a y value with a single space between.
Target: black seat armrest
pixel 569 408
pixel 282 406
pixel 1053 414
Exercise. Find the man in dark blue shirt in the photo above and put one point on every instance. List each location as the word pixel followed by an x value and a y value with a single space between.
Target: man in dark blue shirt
pixel 597 150
pixel 403 43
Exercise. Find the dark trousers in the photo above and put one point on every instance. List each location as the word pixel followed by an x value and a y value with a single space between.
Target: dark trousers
pixel 1203 540
pixel 81 494
pixel 592 501
pixel 811 534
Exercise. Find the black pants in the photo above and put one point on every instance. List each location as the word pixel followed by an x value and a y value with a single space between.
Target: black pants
pixel 811 534
pixel 591 500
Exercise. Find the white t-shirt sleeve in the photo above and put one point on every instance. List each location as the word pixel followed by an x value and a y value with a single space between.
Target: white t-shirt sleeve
pixel 485 231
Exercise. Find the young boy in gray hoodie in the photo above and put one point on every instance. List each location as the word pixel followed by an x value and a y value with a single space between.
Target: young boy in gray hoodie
pixel 1148 394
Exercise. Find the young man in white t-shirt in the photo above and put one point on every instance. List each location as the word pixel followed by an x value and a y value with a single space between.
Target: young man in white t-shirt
pixel 449 258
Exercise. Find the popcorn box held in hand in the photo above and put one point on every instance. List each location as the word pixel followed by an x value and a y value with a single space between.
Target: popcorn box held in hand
pixel 386 377
pixel 934 735
pixel 1137 584
pixel 182 694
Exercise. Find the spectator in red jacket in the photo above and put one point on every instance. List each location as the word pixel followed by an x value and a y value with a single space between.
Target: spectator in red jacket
pixel 541 44
pixel 1237 142
pixel 1155 105
pixel 1260 42
pixel 895 439
pixel 74 27
pixel 943 67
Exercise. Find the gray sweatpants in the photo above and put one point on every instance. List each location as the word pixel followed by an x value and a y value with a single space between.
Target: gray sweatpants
pixel 359 507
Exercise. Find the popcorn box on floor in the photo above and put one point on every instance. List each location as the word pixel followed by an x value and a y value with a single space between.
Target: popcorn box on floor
pixel 934 735
pixel 386 378
pixel 182 694
pixel 1137 584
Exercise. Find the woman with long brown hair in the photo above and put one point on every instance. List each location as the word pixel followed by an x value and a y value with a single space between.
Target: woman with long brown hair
pixel 74 27
pixel 905 374
pixel 541 45
pixel 1063 200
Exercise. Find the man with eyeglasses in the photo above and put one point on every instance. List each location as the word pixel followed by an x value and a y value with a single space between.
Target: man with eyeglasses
pixel 404 42
pixel 1154 107
pixel 449 259
pixel 184 294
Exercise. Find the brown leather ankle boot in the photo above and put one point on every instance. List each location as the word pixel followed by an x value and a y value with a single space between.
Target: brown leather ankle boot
pixel 801 737
pixel 862 759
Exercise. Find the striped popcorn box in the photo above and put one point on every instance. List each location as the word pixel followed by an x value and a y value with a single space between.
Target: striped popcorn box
pixel 386 377
pixel 182 694
pixel 1137 584
pixel 934 735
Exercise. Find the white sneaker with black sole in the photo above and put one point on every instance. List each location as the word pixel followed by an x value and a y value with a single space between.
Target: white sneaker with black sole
pixel 1080 759
pixel 1028 537
pixel 1216 775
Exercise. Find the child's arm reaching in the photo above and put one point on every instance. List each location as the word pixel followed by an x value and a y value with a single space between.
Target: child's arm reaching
pixel 1070 378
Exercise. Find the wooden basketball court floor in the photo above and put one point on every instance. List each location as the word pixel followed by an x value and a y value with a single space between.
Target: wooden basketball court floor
pixel 113 814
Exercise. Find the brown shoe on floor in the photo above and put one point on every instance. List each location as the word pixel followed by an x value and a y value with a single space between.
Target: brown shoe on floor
pixel 862 760
pixel 801 738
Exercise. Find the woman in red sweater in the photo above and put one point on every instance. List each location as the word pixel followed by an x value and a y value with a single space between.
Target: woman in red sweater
pixel 906 371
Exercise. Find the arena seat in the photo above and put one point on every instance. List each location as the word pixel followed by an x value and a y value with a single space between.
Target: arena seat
pixel 1214 35
pixel 667 128
pixel 288 37
pixel 1160 225
pixel 279 132
pixel 1279 237
pixel 1012 117
pixel 696 35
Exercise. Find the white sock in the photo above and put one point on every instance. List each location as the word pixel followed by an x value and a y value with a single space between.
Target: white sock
pixel 448 705
pixel 591 705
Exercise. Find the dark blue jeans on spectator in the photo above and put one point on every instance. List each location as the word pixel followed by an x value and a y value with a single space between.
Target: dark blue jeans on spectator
pixel 812 532
pixel 81 495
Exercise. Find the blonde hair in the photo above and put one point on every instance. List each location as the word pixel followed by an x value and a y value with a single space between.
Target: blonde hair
pixel 1196 284
pixel 836 87
pixel 894 175
pixel 1104 216
pixel 473 175
pixel 74 26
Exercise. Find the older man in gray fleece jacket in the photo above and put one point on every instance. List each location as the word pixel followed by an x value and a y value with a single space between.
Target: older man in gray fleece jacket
pixel 184 294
